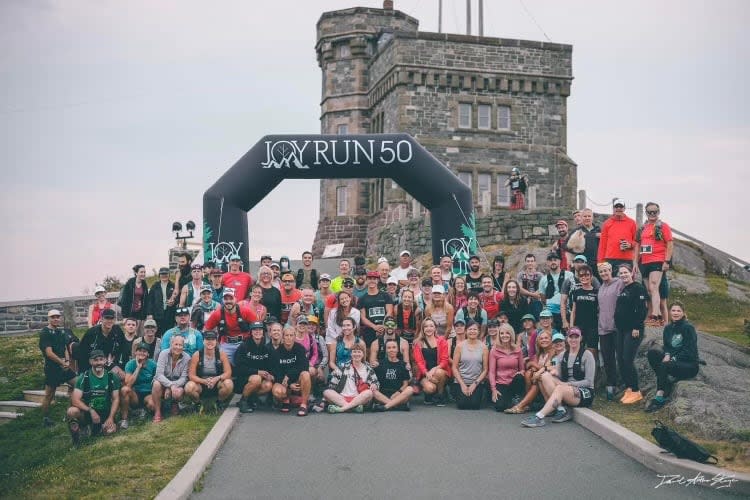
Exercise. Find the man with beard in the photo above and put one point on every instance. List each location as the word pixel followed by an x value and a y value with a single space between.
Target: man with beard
pixel 289 296
pixel 217 287
pixel 95 399
pixel 561 244
pixel 182 277
pixel 232 323
pixel 125 352
pixel 190 293
pixel 307 275
pixel 344 269
pixel 551 285
pixel 474 278
pixel 106 337
pixel 54 342
pixel 160 306
pixel 203 309
pixel 617 242
pixel 237 279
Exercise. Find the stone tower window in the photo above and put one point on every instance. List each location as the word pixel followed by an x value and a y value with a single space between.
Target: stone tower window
pixel 503 117
pixel 464 115
pixel 483 116
pixel 503 191
pixel 341 195
pixel 344 50
pixel 465 177
pixel 342 129
pixel 484 184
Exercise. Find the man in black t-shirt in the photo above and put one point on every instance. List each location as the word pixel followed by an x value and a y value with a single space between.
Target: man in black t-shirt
pixel 394 391
pixel 374 306
pixel 474 278
pixel 106 337
pixel 54 342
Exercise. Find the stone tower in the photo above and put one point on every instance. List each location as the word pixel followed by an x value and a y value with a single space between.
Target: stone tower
pixel 480 105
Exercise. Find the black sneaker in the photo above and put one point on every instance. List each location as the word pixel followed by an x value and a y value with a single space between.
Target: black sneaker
pixel 656 405
pixel 47 422
pixel 428 399
pixel 75 432
pixel 245 406
pixel 221 405
pixel 378 407
pixel 440 401
pixel 404 407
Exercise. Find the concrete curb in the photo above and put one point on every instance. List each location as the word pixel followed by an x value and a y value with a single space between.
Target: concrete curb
pixel 651 456
pixel 181 486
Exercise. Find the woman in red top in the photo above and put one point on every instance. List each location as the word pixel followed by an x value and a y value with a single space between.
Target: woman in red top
pixel 653 253
pixel 101 303
pixel 254 303
pixel 506 369
pixel 433 365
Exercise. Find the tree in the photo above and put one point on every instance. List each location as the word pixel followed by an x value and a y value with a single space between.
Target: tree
pixel 111 283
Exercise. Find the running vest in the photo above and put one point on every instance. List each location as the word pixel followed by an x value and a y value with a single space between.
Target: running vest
pixel 87 392
pixel 217 362
pixel 224 331
pixel 550 291
pixel 477 318
pixel 411 324
pixel 578 373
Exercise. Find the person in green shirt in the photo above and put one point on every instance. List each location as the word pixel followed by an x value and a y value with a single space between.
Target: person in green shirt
pixel 95 399
pixel 136 390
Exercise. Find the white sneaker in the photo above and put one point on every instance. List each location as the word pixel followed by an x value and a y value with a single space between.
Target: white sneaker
pixel 123 424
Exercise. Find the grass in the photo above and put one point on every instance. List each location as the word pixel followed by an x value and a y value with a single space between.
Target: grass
pixel 733 455
pixel 36 462
pixel 715 312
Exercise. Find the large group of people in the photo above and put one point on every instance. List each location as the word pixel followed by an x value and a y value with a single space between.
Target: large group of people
pixel 374 339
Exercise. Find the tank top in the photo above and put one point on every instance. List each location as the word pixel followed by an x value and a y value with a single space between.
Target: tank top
pixel 209 368
pixel 343 353
pixel 430 356
pixel 470 364
pixel 96 314
pixel 440 322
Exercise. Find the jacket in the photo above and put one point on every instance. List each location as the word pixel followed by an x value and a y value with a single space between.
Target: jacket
pixel 631 308
pixel 338 380
pixel 126 300
pixel 168 376
pixel 155 302
pixel 681 341
pixel 443 360
pixel 614 230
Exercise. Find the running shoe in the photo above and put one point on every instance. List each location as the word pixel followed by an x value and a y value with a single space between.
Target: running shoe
pixel 334 409
pixel 533 421
pixel 635 396
pixel 245 406
pixel 428 399
pixel 75 432
pixel 359 409
pixel 124 424
pixel 656 404
pixel 626 395
pixel 378 407
pixel 285 407
pixel 561 415
pixel 440 401
pixel 404 407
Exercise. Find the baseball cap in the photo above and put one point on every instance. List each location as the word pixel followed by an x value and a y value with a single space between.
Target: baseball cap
pixel 390 322
pixel 149 322
pixel 163 270
pixel 108 314
pixel 275 264
pixel 574 332
pixel 382 259
pixel 228 291
pixel 558 337
pixel 373 274
pixel 235 256
pixel 98 289
pixel 257 325
pixel 493 322
pixel 142 346
pixel 438 289
pixel 287 273
pixel 53 312
pixel 302 320
pixel 618 201
pixel 580 257
pixel 528 316
pixel 196 266
pixel 216 271
pixel 459 321
pixel 96 353
pixel 312 319
pixel 391 280
pixel 553 255
pixel 427 282
pixel 182 310
pixel 209 335
pixel 546 313
pixel 325 276
pixel 206 288
pixel 347 281
pixel 561 223
pixel 404 252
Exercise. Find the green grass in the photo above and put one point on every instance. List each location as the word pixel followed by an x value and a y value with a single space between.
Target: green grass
pixel 36 462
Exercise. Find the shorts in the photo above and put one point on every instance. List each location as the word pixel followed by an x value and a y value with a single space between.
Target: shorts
pixel 55 375
pixel 86 419
pixel 214 391
pixel 586 395
pixel 590 338
pixel 649 268
pixel 369 336
pixel 142 398
pixel 388 392
pixel 348 399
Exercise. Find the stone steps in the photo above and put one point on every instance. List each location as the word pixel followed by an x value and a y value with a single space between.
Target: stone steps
pixel 7 416
pixel 18 406
pixel 37 396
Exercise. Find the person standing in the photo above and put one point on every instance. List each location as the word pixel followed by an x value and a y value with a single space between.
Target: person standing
pixel 404 266
pixel 617 242
pixel 551 285
pixel 529 278
pixel 498 274
pixel 160 306
pixel 373 308
pixel 345 268
pixel 561 244
pixel 271 295
pixel 191 293
pixel 307 275
pixel 606 300
pixel 585 311
pixel 630 312
pixel 193 339
pixel 55 343
pixel 105 336
pixel 134 294
pixel 217 286
pixel 474 278
pixel 237 279
pixel 232 322
pixel 289 296
pixel 101 303
pixel 518 183
pixel 653 254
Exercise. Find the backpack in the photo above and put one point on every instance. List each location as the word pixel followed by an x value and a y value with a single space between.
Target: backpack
pixel 680 446
pixel 549 292
pixel 87 386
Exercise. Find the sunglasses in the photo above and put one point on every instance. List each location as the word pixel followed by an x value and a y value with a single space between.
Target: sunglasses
pixel 288 281
pixel 652 212
pixel 348 285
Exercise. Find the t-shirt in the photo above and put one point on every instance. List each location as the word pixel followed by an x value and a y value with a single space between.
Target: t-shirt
pixel 658 248
pixel 57 339
pixel 287 301
pixel 553 303
pixel 240 281
pixel 530 281
pixel 400 273
pixel 97 397
pixel 391 375
pixel 145 376
pixel 474 284
pixel 491 303
pixel 374 306
pixel 587 306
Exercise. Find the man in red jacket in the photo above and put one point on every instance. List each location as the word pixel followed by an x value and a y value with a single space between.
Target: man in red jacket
pixel 617 242
pixel 232 323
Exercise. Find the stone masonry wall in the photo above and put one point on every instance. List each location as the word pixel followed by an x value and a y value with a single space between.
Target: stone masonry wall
pixel 351 231
pixel 21 316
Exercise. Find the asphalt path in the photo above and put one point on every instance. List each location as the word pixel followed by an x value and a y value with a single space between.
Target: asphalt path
pixel 429 452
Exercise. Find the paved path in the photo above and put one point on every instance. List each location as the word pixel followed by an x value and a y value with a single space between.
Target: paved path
pixel 426 453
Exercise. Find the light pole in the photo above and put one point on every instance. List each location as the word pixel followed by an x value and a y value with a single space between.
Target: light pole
pixel 182 239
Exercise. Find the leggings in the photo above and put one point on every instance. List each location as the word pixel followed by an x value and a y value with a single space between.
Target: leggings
pixel 473 402
pixel 680 370
pixel 517 387
pixel 607 345
pixel 627 348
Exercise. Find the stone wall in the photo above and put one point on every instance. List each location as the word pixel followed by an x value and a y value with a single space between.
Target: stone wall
pixel 351 231
pixel 21 316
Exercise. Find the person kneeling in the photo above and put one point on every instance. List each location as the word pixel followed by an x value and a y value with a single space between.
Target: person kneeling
pixel 95 399
pixel 210 373
pixel 171 376
pixel 290 370
pixel 252 365
pixel 394 391
pixel 353 386
pixel 575 386
pixel 139 378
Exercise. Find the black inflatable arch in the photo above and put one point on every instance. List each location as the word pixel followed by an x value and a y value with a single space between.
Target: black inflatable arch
pixel 396 156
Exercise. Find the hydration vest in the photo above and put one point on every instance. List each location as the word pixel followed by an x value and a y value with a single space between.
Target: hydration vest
pixel 223 331
pixel 578 373
pixel 477 318
pixel 87 387
pixel 550 290
pixel 217 362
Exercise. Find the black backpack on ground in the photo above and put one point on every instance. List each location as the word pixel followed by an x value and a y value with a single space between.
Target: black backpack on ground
pixel 682 447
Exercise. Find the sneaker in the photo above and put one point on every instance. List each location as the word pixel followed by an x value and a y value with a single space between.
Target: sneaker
pixel 334 409
pixel 404 407
pixel 428 399
pixel 626 395
pixel 245 406
pixel 319 407
pixel 635 396
pixel 124 424
pixel 533 421
pixel 47 422
pixel 378 407
pixel 285 407
pixel 140 413
pixel 359 409
pixel 561 415
pixel 610 393
pixel 440 401
pixel 182 405
pixel 221 405
pixel 75 432
pixel 656 404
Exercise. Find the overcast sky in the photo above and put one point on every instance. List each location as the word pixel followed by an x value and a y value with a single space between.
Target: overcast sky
pixel 115 117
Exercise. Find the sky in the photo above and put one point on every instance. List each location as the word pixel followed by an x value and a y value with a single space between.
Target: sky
pixel 116 116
